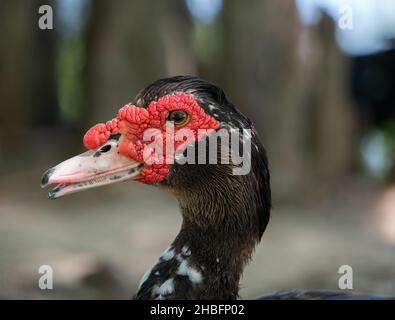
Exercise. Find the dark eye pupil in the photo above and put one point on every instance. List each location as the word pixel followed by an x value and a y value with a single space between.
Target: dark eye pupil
pixel 178 116
pixel 105 148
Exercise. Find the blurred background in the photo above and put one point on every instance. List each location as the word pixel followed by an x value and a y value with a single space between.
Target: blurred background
pixel 316 76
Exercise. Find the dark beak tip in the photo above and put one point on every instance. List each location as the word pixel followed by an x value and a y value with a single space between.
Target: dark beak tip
pixel 51 195
pixel 46 176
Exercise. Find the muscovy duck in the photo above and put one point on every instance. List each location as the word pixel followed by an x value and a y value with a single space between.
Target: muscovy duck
pixel 224 214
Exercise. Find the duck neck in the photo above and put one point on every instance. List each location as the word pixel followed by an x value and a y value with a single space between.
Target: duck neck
pixel 219 253
pixel 207 258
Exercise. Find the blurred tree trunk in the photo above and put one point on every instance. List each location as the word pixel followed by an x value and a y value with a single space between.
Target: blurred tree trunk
pixel 175 35
pixel 295 91
pixel 334 123
pixel 16 38
pixel 44 109
pixel 27 74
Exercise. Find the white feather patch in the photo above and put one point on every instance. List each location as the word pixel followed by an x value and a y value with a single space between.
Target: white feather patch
pixel 166 288
pixel 186 270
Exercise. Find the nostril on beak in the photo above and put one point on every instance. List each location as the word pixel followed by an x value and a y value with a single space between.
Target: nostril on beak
pixel 45 178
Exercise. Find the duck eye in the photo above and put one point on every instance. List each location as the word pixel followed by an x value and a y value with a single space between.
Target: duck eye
pixel 179 117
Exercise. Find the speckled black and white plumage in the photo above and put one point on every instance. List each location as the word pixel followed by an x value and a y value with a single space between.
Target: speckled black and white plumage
pixel 174 275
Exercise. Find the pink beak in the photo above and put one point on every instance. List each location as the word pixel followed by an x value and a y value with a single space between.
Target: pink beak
pixel 91 169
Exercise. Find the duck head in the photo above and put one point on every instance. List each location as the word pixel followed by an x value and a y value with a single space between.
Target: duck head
pixel 164 138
